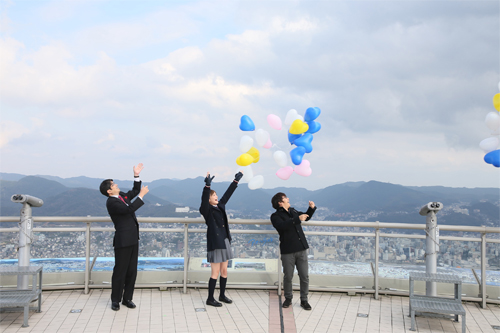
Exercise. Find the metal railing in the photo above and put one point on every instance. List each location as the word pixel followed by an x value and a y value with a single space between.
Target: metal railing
pixel 186 222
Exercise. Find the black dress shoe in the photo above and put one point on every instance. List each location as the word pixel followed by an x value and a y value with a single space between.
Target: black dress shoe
pixel 214 303
pixel 287 302
pixel 225 299
pixel 129 304
pixel 305 305
pixel 115 306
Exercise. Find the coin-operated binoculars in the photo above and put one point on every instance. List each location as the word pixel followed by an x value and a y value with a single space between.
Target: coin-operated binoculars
pixel 431 242
pixel 25 233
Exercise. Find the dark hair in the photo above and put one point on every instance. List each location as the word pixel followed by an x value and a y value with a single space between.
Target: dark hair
pixel 278 197
pixel 212 192
pixel 105 186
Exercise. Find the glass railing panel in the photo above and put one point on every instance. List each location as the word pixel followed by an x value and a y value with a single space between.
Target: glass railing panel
pixel 340 261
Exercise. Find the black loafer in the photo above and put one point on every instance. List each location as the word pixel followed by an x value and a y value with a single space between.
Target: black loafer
pixel 225 299
pixel 287 302
pixel 115 306
pixel 214 303
pixel 305 305
pixel 129 304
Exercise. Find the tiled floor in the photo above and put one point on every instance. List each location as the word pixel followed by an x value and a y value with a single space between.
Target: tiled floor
pixel 252 311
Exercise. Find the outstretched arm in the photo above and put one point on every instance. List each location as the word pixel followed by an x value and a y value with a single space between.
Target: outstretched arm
pixel 206 195
pixel 231 188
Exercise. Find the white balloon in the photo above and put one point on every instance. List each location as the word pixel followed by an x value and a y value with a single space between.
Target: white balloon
pixel 291 116
pixel 256 182
pixel 489 144
pixel 280 158
pixel 247 173
pixel 261 136
pixel 246 143
pixel 493 121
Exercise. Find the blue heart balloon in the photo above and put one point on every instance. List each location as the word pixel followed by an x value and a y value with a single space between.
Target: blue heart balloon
pixel 305 141
pixel 246 124
pixel 493 157
pixel 314 126
pixel 311 114
pixel 293 137
pixel 297 154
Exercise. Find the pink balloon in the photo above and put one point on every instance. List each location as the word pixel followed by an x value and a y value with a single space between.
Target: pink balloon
pixel 284 173
pixel 268 144
pixel 274 121
pixel 303 169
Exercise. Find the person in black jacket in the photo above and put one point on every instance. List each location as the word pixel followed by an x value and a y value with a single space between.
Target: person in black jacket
pixel 218 236
pixel 293 246
pixel 126 240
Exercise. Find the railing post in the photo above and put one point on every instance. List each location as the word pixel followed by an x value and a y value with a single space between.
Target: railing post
pixel 186 261
pixel 377 244
pixel 483 271
pixel 87 258
pixel 279 273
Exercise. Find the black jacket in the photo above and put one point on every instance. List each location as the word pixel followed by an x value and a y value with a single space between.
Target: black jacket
pixel 218 228
pixel 288 225
pixel 123 217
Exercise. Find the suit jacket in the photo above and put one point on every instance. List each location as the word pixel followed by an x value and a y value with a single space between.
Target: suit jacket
pixel 123 217
pixel 217 228
pixel 289 226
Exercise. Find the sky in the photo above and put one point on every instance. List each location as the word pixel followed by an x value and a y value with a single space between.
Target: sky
pixel 92 88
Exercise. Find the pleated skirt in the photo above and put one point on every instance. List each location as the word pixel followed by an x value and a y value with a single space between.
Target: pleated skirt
pixel 220 255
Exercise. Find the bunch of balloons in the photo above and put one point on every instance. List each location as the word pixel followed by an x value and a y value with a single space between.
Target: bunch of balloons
pixel 490 145
pixel 300 134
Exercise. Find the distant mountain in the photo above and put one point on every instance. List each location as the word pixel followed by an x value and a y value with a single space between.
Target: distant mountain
pixel 352 201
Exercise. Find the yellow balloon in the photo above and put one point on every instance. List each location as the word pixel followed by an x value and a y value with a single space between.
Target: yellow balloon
pixel 244 159
pixel 254 152
pixel 298 127
pixel 496 102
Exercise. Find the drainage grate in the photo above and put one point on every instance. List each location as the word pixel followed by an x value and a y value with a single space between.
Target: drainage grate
pixel 76 311
pixel 364 315
pixel 496 327
pixel 200 309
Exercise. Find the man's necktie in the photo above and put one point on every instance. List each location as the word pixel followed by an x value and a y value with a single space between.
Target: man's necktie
pixel 122 200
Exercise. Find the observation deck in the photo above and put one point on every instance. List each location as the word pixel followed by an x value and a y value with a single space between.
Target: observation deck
pixel 351 288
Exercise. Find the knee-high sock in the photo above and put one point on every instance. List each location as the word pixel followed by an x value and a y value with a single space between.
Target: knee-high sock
pixel 222 282
pixel 211 288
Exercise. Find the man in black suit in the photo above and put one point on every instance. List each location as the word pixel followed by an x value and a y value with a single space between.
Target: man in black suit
pixel 126 241
pixel 293 246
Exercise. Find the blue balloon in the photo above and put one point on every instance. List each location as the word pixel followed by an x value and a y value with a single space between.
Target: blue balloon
pixel 246 124
pixel 305 141
pixel 293 137
pixel 311 114
pixel 297 154
pixel 493 157
pixel 314 126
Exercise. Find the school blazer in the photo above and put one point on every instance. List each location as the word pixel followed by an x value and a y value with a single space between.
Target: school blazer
pixel 123 217
pixel 216 229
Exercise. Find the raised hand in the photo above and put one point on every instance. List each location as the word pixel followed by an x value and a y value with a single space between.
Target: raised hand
pixel 138 169
pixel 311 204
pixel 238 176
pixel 144 191
pixel 208 179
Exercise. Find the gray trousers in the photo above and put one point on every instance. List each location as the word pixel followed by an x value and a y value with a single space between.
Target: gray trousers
pixel 289 262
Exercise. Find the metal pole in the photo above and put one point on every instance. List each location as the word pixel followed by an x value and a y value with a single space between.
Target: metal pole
pixel 87 258
pixel 186 262
pixel 280 273
pixel 483 271
pixel 377 244
pixel 430 252
pixel 25 237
